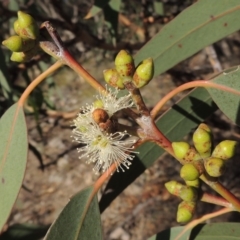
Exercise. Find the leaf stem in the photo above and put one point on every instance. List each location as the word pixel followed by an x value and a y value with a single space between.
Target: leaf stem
pixel 38 80
pixel 197 83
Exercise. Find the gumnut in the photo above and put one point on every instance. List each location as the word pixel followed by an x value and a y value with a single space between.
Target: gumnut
pixel 184 152
pixel 214 166
pixel 225 149
pixel 174 187
pixel 202 139
pixel 189 172
pixel 188 193
pixel 26 27
pixel 195 183
pixel 125 65
pixel 112 77
pixel 143 73
pixel 185 211
pixel 18 44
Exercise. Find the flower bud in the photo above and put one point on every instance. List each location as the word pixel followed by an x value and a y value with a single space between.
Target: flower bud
pixel 173 187
pixel 195 183
pixel 143 73
pixel 185 211
pixel 26 27
pixel 189 172
pixel 189 194
pixel 112 77
pixel 184 152
pixel 17 44
pixel 214 166
pixel 23 56
pixel 202 139
pixel 225 149
pixel 124 65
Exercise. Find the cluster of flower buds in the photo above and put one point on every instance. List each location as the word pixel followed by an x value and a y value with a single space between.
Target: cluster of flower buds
pixel 125 71
pixel 23 45
pixel 196 161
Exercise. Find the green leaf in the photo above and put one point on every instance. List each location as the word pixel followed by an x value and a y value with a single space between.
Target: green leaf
pixel 24 232
pixel 203 23
pixel 13 158
pixel 229 103
pixel 80 219
pixel 175 124
pixel 212 231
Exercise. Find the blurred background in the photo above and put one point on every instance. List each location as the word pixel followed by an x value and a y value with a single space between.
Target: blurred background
pixel 94 32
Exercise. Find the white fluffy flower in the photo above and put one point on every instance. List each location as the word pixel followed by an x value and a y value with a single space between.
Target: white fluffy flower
pixel 100 147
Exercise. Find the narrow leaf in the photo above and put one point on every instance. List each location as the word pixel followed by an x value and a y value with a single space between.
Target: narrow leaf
pixel 13 158
pixel 229 103
pixel 79 220
pixel 203 23
pixel 223 231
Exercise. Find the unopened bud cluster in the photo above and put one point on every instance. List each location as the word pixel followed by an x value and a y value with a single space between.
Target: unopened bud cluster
pixel 125 71
pixel 24 44
pixel 196 161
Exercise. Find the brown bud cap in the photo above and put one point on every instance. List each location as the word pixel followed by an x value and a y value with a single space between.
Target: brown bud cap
pixel 125 65
pixel 144 73
pixel 26 27
pixel 214 166
pixel 202 139
pixel 225 149
pixel 189 194
pixel 173 187
pixel 112 77
pixel 100 116
pixel 189 172
pixel 185 211
pixel 17 44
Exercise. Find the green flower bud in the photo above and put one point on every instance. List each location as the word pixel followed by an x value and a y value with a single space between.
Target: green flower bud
pixel 189 172
pixel 173 187
pixel 195 183
pixel 225 149
pixel 112 77
pixel 185 211
pixel 23 56
pixel 143 73
pixel 214 166
pixel 202 139
pixel 17 44
pixel 125 65
pixel 16 27
pixel 189 194
pixel 184 152
pixel 26 27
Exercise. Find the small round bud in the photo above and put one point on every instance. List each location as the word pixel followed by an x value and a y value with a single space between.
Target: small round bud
pixel 214 166
pixel 100 116
pixel 202 139
pixel 185 211
pixel 26 27
pixel 112 77
pixel 189 172
pixel 143 73
pixel 17 44
pixel 184 152
pixel 125 65
pixel 189 194
pixel 225 149
pixel 173 187
pixel 195 183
